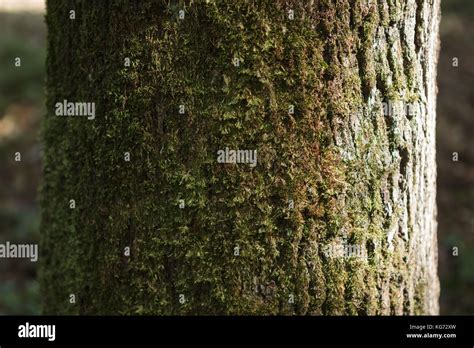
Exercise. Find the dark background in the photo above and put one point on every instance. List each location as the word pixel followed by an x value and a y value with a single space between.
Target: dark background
pixel 455 133
pixel 23 34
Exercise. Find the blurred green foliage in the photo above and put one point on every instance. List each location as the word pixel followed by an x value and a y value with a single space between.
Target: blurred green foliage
pixel 459 7
pixel 21 35
pixel 21 104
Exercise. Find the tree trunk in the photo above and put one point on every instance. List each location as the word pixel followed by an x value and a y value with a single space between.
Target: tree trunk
pixel 336 97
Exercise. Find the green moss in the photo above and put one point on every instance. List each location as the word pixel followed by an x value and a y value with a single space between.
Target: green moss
pixel 419 298
pixel 188 253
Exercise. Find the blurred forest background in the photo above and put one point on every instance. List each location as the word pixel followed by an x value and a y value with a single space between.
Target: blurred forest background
pixel 23 34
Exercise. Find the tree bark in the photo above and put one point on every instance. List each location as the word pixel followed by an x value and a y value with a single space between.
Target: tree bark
pixel 337 98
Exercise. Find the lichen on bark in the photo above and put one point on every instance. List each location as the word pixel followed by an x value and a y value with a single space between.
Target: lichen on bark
pixel 354 175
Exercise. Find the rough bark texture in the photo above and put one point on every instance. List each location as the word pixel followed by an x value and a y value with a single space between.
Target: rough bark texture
pixel 357 177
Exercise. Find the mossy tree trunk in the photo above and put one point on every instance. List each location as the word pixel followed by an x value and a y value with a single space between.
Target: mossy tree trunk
pixel 338 215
